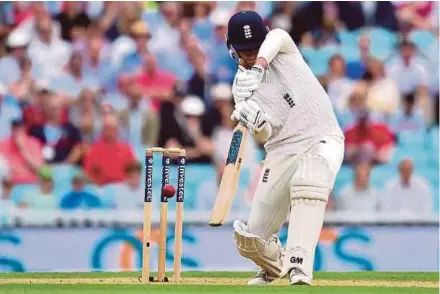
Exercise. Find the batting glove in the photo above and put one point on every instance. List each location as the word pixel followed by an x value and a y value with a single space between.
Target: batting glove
pixel 250 114
pixel 240 93
pixel 252 79
pixel 246 82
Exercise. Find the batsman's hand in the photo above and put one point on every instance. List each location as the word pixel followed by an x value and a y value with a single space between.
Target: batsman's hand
pixel 250 114
pixel 246 82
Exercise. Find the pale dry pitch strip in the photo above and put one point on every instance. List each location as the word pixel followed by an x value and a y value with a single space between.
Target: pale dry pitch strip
pixel 221 281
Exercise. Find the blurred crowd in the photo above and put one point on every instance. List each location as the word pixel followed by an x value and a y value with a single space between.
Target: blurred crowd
pixel 92 84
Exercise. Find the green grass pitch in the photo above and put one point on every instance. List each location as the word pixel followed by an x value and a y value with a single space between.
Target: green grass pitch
pixel 215 282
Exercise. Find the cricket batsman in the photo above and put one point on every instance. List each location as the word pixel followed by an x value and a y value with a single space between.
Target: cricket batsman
pixel 280 101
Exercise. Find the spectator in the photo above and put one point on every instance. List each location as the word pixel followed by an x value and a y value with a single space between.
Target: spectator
pixel 10 70
pixel 356 68
pixel 139 120
pixel 282 14
pixel 327 34
pixel 96 54
pixel 156 83
pixel 119 17
pixel 199 13
pixel 140 34
pixel 356 14
pixel 23 154
pixel 417 15
pixel 108 18
pixel 86 115
pixel 126 194
pixel 118 98
pixel 43 198
pixel 197 59
pixel 171 40
pixel 356 103
pixel 359 195
pixel 73 21
pixel 182 128
pixel 40 14
pixel 61 141
pixel 383 94
pixel 219 113
pixel 408 193
pixel 339 85
pixel 307 17
pixel 79 197
pixel 368 141
pixel 8 113
pixel 410 119
pixel 169 110
pixel 165 24
pixel 410 73
pixel 50 54
pixel 107 158
pixel 35 114
pixel 408 70
pixel 72 80
pixel 221 66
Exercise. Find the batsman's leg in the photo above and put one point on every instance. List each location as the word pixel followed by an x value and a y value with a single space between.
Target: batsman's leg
pixel 257 240
pixel 310 187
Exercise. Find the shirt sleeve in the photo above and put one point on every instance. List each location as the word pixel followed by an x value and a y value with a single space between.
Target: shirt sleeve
pixel 425 203
pixel 277 41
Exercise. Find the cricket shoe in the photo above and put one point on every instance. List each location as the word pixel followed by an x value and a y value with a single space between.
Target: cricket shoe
pixel 298 277
pixel 261 278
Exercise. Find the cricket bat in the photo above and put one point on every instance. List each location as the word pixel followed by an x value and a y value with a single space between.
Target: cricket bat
pixel 231 175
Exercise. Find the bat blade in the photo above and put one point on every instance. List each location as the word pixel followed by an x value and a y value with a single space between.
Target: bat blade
pixel 231 175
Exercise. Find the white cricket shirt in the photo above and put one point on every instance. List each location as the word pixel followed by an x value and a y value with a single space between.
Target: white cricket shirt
pixel 300 110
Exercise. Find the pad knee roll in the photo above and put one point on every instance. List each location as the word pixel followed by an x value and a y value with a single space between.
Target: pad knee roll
pixel 313 179
pixel 267 254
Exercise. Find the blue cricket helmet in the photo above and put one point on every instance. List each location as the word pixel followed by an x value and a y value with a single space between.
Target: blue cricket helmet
pixel 246 31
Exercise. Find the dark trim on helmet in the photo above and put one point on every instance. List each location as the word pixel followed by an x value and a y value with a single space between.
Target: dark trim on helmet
pixel 245 47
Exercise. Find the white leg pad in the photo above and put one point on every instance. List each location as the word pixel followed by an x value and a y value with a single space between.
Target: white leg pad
pixel 313 179
pixel 306 219
pixel 267 254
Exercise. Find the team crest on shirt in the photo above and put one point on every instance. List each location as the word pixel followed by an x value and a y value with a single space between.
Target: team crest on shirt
pixel 266 175
pixel 247 31
pixel 289 100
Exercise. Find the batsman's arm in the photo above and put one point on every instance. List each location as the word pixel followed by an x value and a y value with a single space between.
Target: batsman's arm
pixel 277 41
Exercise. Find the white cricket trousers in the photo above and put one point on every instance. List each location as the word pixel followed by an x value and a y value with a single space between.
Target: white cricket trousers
pixel 273 195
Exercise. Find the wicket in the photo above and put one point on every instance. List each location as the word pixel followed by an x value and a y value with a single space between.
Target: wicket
pixel 148 197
